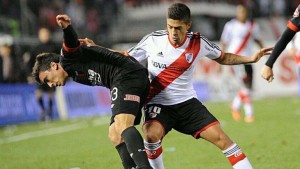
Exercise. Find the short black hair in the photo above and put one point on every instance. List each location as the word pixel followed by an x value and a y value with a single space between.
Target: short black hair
pixel 42 63
pixel 179 11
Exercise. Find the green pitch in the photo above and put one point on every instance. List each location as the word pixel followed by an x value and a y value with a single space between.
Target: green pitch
pixel 272 142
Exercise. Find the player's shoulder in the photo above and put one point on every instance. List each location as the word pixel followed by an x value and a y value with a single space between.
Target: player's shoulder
pixel 159 33
pixel 197 35
pixel 155 35
pixel 232 22
pixel 194 35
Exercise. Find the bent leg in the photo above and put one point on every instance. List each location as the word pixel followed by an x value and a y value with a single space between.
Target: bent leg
pixel 232 151
pixel 119 144
pixel 153 133
pixel 132 138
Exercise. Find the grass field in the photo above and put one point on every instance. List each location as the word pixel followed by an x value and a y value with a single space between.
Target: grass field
pixel 272 142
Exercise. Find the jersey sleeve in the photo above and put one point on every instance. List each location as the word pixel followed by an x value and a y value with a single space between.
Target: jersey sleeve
pixel 139 52
pixel 209 49
pixel 71 44
pixel 294 23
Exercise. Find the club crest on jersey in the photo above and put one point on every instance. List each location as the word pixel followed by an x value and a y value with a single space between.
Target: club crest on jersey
pixel 189 57
pixel 296 13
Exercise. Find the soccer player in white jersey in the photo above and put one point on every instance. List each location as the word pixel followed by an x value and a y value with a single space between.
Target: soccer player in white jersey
pixel 238 37
pixel 172 103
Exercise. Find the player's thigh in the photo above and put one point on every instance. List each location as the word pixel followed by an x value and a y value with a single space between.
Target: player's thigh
pixel 158 120
pixel 128 95
pixel 195 118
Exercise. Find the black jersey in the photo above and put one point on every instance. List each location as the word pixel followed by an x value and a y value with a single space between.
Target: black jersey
pixel 97 66
pixel 294 22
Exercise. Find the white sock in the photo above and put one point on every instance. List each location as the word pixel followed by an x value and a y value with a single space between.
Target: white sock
pixel 154 154
pixel 237 158
pixel 248 109
pixel 236 103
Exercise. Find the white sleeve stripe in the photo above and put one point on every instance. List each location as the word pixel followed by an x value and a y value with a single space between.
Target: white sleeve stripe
pixel 210 43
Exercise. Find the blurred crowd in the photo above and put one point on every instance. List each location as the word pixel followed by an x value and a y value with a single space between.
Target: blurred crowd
pixel 20 22
pixel 93 18
pixel 260 7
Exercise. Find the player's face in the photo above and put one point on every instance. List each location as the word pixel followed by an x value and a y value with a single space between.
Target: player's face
pixel 177 31
pixel 241 13
pixel 55 76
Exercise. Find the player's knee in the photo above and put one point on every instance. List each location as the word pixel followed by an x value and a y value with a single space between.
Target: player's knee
pixel 123 121
pixel 153 132
pixel 223 141
pixel 114 138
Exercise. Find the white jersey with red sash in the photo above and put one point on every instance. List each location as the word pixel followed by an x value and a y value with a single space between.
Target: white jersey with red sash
pixel 239 36
pixel 171 68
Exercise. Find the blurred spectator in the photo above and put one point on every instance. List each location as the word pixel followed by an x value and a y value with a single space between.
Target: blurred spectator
pixel 46 45
pixel 6 64
pixel 10 8
pixel 47 14
pixel 76 10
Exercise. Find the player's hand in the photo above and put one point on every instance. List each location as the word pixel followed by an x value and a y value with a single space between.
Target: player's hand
pixel 262 52
pixel 63 21
pixel 267 73
pixel 87 41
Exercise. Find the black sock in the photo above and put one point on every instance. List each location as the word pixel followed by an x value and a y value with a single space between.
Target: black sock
pixel 135 146
pixel 127 161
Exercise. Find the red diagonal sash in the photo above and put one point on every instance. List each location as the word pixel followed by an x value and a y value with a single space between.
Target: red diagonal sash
pixel 174 70
pixel 246 39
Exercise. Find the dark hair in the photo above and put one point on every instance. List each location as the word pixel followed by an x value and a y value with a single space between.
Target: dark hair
pixel 179 11
pixel 42 63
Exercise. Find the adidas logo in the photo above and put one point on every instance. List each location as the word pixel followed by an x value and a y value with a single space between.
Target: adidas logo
pixel 160 54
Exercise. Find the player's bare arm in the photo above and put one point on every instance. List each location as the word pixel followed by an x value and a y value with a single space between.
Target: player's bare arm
pixel 63 21
pixel 233 59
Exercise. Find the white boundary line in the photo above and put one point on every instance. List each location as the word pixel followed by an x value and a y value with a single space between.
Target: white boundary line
pixel 41 133
pixel 57 130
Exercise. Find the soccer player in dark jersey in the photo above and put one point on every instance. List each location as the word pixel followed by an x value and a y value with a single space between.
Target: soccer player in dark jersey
pixel 292 28
pixel 98 66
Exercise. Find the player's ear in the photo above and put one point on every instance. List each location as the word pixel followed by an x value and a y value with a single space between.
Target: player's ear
pixel 189 25
pixel 54 65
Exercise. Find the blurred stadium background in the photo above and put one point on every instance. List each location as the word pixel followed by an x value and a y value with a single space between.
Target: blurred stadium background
pixel 119 24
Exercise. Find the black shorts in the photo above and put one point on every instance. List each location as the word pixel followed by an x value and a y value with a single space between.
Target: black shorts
pixel 190 117
pixel 129 93
pixel 248 79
